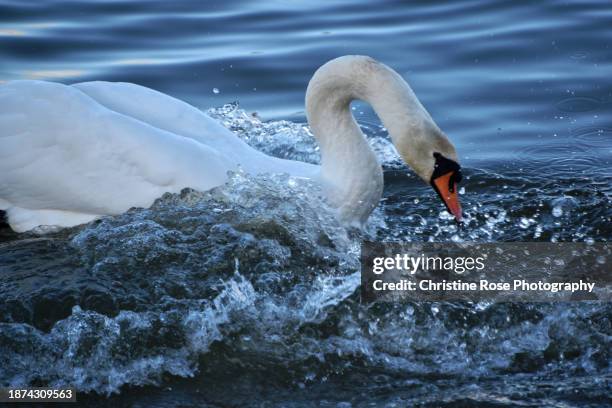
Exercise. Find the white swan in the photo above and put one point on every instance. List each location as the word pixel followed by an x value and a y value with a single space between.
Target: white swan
pixel 70 154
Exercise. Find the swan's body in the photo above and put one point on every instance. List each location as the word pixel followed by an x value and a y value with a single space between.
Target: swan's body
pixel 70 154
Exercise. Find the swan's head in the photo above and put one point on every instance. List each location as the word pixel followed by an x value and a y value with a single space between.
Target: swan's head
pixel 433 157
pixel 419 141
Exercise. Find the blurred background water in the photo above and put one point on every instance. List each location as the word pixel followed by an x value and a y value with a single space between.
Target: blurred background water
pixel 523 90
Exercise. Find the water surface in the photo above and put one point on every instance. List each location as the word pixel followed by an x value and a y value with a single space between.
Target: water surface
pixel 249 293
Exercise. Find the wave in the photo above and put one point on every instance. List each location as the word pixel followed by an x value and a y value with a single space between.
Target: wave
pixel 259 275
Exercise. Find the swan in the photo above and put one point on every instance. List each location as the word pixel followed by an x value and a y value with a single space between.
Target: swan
pixel 72 153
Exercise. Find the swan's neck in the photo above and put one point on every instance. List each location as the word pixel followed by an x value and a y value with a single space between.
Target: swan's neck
pixel 351 175
pixel 350 171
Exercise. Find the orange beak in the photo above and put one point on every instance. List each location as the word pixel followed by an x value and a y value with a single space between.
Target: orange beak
pixel 450 198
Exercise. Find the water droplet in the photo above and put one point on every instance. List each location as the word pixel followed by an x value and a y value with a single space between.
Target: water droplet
pixel 538 232
pixel 216 91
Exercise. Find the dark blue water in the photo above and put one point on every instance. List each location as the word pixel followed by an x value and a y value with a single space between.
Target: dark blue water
pixel 504 80
pixel 259 302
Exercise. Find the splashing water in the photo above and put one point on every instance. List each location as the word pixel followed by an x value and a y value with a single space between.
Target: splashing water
pixel 258 277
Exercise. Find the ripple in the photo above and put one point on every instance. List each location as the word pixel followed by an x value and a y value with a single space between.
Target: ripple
pixel 560 158
pixel 578 104
pixel 594 136
pixel 579 55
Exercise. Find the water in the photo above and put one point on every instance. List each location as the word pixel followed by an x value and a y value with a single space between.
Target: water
pixel 249 293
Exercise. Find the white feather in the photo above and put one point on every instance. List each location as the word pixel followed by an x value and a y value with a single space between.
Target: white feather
pixel 70 154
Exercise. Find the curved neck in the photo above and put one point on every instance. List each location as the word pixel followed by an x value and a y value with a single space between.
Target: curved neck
pixel 350 170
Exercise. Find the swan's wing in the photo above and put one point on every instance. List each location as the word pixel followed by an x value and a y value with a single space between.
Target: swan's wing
pixel 170 114
pixel 60 149
pixel 164 112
